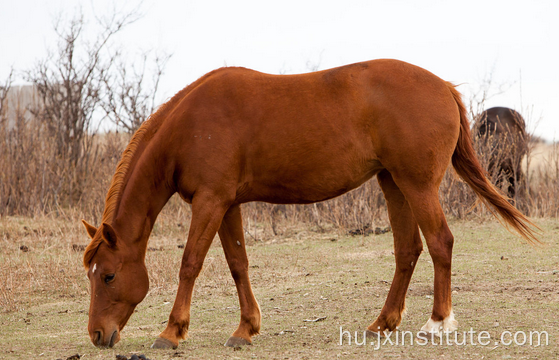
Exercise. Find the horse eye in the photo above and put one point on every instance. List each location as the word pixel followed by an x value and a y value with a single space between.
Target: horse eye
pixel 109 278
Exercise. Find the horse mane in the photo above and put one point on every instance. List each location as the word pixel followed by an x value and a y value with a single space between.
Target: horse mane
pixel 119 178
pixel 129 157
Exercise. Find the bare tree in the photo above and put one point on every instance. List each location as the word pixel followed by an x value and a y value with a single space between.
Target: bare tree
pixel 69 86
pixel 487 89
pixel 130 96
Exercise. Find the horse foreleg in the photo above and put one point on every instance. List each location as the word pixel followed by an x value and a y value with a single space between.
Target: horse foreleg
pixel 407 248
pixel 233 242
pixel 207 214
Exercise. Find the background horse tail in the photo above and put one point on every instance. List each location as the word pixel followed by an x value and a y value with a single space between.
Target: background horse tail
pixel 466 164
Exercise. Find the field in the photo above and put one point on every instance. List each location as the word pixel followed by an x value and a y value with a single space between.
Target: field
pixel 500 284
pixel 318 286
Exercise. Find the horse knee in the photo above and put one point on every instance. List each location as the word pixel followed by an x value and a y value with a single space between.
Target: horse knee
pixel 406 258
pixel 189 272
pixel 407 261
pixel 238 268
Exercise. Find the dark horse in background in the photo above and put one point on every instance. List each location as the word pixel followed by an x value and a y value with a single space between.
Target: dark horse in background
pixel 501 132
pixel 237 135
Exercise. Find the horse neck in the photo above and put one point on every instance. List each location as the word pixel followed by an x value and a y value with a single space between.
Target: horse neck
pixel 146 191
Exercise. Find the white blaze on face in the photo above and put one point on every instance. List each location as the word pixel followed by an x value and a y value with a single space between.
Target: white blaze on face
pixel 94 268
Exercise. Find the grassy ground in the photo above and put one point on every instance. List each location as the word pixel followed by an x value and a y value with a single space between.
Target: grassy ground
pixel 499 284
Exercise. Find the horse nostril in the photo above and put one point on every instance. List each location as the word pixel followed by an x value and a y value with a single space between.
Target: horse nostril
pixel 113 339
pixel 97 338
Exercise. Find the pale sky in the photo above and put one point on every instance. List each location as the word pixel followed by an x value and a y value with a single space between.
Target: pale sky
pixel 460 41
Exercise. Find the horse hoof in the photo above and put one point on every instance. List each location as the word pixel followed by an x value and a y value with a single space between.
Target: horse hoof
pixel 162 343
pixel 234 341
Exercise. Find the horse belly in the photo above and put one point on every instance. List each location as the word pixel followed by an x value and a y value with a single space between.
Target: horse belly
pixel 310 179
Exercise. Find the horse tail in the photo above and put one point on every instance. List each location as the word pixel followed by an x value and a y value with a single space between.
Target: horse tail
pixel 466 164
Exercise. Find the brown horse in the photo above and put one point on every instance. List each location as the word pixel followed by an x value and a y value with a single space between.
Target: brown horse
pixel 237 135
pixel 502 132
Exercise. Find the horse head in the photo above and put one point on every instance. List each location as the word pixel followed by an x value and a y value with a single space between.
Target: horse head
pixel 119 281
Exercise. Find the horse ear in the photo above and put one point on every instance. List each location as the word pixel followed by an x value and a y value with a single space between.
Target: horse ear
pixel 91 230
pixel 109 234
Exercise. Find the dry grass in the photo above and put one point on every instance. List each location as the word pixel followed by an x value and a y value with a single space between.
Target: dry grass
pixel 499 284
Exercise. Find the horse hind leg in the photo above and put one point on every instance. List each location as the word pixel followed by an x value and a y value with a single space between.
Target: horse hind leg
pixel 407 248
pixel 427 210
pixel 233 243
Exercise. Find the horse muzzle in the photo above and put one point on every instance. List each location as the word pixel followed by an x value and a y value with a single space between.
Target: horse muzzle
pixel 104 340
